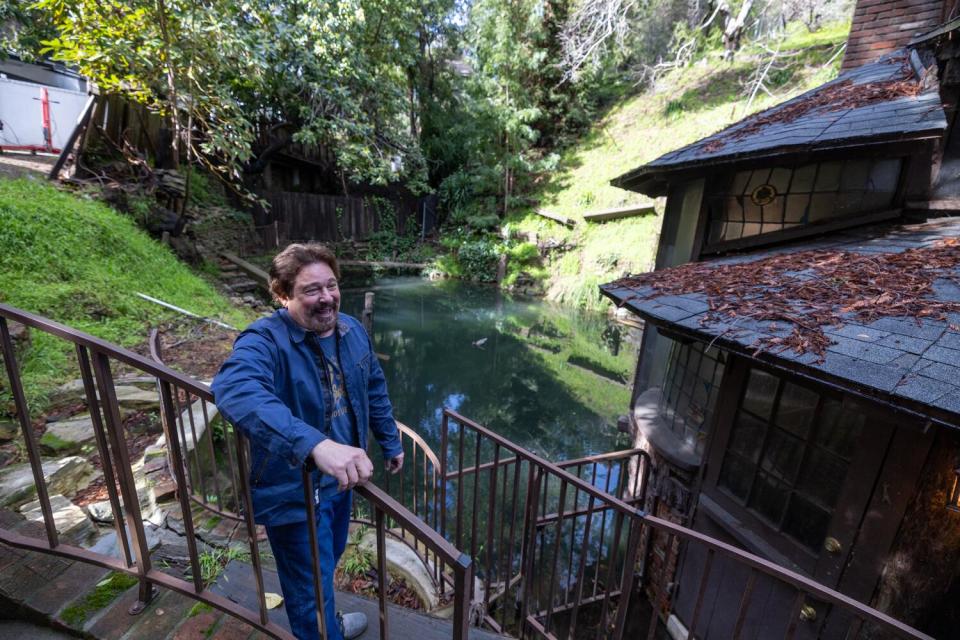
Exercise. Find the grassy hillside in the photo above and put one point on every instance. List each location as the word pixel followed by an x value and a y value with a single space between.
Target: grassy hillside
pixel 685 105
pixel 78 261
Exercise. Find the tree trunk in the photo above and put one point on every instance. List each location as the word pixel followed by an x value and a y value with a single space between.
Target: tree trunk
pixel 171 83
pixel 733 27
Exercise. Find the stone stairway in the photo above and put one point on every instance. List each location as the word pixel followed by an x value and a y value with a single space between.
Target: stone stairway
pixel 240 287
pixel 88 601
pixel 91 602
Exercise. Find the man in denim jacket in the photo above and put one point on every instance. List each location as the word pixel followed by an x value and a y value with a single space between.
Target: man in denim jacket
pixel 304 386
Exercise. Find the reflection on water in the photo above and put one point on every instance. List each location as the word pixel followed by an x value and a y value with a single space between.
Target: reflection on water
pixel 551 379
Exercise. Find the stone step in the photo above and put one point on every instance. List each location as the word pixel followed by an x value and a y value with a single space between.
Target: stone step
pixel 63 476
pixel 237 583
pixel 242 286
pixel 95 603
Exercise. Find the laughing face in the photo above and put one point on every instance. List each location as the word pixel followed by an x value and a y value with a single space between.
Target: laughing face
pixel 315 299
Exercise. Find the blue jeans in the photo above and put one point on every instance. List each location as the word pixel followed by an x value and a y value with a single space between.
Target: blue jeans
pixel 290 544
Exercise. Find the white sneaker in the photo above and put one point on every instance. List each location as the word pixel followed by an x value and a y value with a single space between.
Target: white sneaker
pixel 352 625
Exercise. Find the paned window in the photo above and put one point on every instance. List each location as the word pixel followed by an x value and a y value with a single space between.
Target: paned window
pixel 689 391
pixel 788 454
pixel 766 200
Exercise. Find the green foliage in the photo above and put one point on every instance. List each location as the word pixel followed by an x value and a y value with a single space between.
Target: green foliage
pixel 388 244
pixel 345 75
pixel 213 561
pixel 140 208
pixel 493 133
pixel 81 263
pixel 688 104
pixel 198 608
pixel 203 193
pixel 478 259
pixel 357 560
pixel 106 591
pixel 523 258
pixel 25 28
pixel 357 563
pixel 524 253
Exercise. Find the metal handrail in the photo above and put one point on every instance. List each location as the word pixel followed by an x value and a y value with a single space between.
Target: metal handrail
pixel 117 352
pixel 94 357
pixel 423 467
pixel 638 517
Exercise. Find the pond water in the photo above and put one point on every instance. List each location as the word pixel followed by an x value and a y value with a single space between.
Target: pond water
pixel 549 378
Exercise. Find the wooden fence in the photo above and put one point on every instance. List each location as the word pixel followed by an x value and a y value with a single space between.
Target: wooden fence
pixel 117 120
pixel 295 216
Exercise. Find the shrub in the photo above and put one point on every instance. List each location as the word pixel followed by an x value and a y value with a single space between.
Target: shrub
pixel 478 260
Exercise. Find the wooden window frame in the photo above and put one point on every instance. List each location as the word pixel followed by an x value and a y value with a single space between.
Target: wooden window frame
pixel 719 184
pixel 685 350
pixel 760 536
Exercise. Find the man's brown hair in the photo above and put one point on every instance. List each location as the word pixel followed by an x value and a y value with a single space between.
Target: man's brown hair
pixel 288 263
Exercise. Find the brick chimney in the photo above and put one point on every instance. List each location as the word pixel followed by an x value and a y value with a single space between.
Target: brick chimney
pixel 882 26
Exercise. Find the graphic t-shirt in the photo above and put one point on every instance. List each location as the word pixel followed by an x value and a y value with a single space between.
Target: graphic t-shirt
pixel 339 420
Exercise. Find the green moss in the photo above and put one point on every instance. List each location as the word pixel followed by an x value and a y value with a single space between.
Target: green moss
pixel 211 522
pixel 55 443
pixel 198 608
pixel 106 591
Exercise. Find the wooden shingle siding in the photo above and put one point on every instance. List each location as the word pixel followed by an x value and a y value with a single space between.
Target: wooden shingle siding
pixel 882 26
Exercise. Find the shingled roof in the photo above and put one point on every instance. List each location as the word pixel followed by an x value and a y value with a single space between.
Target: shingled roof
pixel 909 361
pixel 878 102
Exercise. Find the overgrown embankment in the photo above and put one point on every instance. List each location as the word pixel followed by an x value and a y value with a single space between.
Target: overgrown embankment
pixel 685 105
pixel 77 261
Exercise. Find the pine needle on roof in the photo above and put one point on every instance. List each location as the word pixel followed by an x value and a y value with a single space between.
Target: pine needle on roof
pixel 810 290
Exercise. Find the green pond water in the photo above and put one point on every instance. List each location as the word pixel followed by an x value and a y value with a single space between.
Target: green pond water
pixel 549 378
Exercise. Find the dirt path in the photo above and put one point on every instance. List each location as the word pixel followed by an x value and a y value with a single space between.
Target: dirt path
pixel 16 165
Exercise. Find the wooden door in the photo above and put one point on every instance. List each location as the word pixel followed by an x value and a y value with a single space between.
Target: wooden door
pixel 791 470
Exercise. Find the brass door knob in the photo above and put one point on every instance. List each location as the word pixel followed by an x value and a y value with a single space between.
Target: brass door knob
pixel 832 545
pixel 808 613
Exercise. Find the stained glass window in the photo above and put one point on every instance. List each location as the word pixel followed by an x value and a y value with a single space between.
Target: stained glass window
pixel 766 200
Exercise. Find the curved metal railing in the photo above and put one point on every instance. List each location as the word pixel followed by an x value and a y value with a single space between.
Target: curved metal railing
pixel 569 504
pixel 213 484
pixel 549 539
pixel 185 401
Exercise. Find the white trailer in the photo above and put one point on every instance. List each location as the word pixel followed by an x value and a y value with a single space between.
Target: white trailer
pixel 37 118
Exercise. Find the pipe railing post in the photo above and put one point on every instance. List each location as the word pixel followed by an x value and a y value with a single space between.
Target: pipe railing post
pixel 128 487
pixel 629 574
pixel 318 592
pixel 463 594
pixel 29 438
pixel 382 572
pixel 244 475
pixel 106 460
pixel 176 457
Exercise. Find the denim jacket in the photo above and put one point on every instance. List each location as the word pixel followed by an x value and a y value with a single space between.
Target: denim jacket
pixel 270 389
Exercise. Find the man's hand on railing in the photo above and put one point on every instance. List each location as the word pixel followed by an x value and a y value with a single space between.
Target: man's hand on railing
pixel 395 463
pixel 349 465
